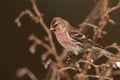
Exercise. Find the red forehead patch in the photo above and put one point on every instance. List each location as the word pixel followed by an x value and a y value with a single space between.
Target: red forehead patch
pixel 53 22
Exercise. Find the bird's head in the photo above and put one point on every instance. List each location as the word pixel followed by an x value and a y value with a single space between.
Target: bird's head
pixel 58 24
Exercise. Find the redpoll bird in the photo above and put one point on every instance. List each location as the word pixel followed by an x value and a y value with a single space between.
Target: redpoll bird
pixel 71 38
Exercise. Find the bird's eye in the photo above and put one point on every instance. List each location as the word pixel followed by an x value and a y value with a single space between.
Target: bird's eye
pixel 55 25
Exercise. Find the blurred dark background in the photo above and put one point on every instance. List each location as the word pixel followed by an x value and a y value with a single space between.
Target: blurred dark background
pixel 14 42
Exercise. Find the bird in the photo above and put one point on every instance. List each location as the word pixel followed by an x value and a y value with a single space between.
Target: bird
pixel 72 39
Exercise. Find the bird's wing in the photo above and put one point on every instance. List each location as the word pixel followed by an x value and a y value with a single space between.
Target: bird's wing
pixel 81 38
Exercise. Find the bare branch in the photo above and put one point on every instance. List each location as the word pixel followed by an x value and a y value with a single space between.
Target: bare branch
pixel 28 12
pixel 58 68
pixel 95 14
pixel 37 42
pixel 25 71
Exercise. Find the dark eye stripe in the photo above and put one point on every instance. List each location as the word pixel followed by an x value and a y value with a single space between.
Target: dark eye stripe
pixel 55 25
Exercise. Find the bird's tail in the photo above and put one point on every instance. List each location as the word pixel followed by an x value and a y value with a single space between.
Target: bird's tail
pixel 100 50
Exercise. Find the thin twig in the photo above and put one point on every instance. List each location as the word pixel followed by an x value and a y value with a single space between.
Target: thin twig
pixel 25 71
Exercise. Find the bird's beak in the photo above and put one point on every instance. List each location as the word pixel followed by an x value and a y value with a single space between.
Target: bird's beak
pixel 52 29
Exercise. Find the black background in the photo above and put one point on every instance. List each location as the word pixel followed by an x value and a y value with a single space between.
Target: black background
pixel 14 42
